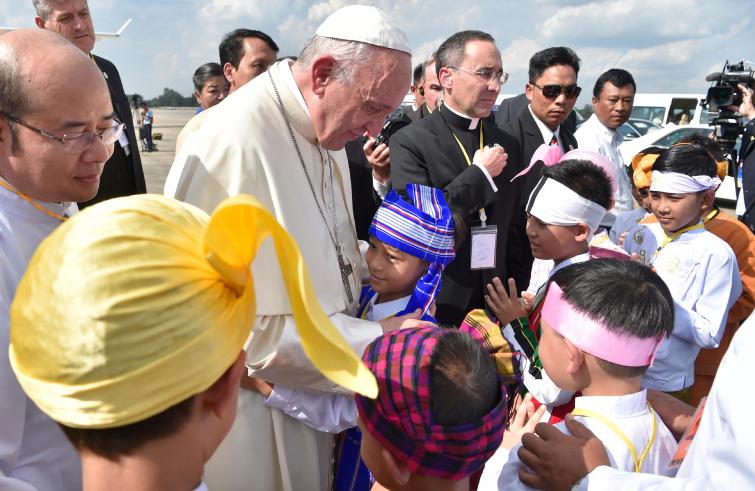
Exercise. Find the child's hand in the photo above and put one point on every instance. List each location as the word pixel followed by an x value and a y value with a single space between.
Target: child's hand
pixel 529 300
pixel 506 307
pixel 406 321
pixel 622 238
pixel 525 419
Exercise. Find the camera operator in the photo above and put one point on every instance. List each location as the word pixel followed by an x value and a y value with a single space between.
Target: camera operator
pixel 746 199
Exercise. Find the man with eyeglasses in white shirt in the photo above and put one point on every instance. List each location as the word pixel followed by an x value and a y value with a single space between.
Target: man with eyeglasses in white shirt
pixel 57 130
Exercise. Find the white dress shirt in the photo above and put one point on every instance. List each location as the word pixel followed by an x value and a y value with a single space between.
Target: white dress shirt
pixel 702 274
pixel 630 413
pixel 721 455
pixel 596 137
pixel 547 133
pixel 34 453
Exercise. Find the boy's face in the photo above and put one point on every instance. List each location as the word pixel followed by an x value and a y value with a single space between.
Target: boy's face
pixel 642 197
pixel 555 357
pixel 553 241
pixel 675 211
pixel 393 273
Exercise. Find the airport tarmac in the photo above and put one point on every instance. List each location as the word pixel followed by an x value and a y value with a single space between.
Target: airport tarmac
pixel 169 122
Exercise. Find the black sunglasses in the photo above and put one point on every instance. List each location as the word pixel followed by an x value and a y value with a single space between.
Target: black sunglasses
pixel 553 91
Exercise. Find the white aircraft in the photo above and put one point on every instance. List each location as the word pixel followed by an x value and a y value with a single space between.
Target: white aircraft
pixel 98 35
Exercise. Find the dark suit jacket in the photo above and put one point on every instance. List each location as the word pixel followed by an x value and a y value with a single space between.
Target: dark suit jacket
pixel 123 174
pixel 425 152
pixel 364 199
pixel 748 175
pixel 511 108
pixel 528 138
pixel 419 113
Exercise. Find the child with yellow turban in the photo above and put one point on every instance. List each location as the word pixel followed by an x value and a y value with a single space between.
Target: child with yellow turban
pixel 129 325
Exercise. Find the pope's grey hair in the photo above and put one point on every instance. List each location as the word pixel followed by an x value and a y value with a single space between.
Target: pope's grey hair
pixel 349 55
pixel 13 98
pixel 43 8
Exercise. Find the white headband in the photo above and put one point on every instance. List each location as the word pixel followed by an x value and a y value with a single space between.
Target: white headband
pixel 673 182
pixel 553 203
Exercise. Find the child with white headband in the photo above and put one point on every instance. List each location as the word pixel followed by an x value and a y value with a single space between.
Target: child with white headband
pixel 602 322
pixel 699 268
pixel 564 211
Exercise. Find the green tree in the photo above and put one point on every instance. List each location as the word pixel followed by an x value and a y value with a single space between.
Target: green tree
pixel 171 98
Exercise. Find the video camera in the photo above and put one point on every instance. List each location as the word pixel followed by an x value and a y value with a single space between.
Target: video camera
pixel 723 94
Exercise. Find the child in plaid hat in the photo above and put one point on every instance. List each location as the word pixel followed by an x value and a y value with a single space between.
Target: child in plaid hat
pixel 439 414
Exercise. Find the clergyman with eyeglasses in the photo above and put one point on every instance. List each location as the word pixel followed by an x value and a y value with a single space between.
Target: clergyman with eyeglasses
pixel 458 148
pixel 552 91
pixel 57 130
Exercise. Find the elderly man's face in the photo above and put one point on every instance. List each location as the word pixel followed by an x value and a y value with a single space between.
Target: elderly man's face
pixel 258 56
pixel 343 112
pixel 72 20
pixel 77 102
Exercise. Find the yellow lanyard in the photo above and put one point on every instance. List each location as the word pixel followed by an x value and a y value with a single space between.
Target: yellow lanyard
pixel 670 238
pixel 483 215
pixel 710 215
pixel 33 203
pixel 617 431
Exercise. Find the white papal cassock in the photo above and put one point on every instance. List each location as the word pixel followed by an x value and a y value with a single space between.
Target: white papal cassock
pixel 244 146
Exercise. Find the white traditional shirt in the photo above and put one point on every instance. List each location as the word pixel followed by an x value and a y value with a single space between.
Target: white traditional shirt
pixel 702 274
pixel 34 452
pixel 630 413
pixel 596 137
pixel 721 454
pixel 332 413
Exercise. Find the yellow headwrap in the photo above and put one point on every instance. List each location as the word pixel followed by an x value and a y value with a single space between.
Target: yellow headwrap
pixel 642 167
pixel 138 303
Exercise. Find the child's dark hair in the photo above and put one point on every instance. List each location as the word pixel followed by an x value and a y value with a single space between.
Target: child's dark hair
pixel 584 178
pixel 464 384
pixel 627 296
pixel 691 159
pixel 114 443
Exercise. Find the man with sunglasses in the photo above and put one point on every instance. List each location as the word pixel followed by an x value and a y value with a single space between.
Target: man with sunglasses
pixel 123 174
pixel 458 148
pixel 612 101
pixel 552 91
pixel 430 90
pixel 57 130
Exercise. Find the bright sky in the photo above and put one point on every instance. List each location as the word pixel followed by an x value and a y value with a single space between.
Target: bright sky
pixel 668 45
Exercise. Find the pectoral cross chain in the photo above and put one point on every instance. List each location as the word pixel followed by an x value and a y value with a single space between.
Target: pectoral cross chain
pixel 346 271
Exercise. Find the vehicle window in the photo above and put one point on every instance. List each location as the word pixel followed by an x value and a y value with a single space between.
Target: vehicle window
pixel 677 135
pixel 642 127
pixel 651 113
pixel 681 111
pixel 628 132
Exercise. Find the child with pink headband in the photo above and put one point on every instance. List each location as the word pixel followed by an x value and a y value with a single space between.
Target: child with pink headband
pixel 602 322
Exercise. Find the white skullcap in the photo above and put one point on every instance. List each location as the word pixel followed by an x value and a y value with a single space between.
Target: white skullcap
pixel 364 24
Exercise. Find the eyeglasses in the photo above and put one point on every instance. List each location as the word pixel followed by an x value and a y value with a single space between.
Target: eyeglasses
pixel 487 75
pixel 553 91
pixel 75 142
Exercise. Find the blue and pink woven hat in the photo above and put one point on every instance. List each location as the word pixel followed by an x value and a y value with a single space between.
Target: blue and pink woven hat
pixel 421 226
pixel 401 418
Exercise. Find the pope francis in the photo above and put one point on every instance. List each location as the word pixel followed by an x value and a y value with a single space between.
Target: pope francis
pixel 280 138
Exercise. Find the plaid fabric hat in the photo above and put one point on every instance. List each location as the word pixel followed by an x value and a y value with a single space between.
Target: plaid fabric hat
pixel 488 333
pixel 401 419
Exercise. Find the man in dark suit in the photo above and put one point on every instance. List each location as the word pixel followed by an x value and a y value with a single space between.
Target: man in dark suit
pixel 552 91
pixel 123 174
pixel 460 151
pixel 431 90
pixel 511 108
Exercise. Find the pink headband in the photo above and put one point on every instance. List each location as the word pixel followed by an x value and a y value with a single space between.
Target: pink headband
pixel 551 155
pixel 594 337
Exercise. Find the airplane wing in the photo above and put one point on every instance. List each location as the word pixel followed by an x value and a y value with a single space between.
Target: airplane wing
pixel 98 35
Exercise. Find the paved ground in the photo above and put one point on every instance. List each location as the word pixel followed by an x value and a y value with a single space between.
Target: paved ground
pixel 156 164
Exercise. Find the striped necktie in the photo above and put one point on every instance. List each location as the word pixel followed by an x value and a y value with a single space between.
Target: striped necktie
pixel 554 141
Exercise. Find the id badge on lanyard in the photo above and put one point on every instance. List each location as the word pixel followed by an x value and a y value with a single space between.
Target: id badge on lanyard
pixel 484 239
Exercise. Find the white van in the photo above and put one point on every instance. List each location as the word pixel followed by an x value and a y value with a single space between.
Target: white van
pixel 670 108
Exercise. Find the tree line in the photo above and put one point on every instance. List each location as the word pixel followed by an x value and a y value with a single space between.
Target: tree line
pixel 169 98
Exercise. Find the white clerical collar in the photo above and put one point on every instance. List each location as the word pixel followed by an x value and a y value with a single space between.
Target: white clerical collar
pixel 384 310
pixel 615 406
pixel 579 258
pixel 473 122
pixel 544 130
pixel 288 79
pixel 64 208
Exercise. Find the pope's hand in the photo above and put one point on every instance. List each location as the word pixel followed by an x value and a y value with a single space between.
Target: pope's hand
pixel 493 159
pixel 407 321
